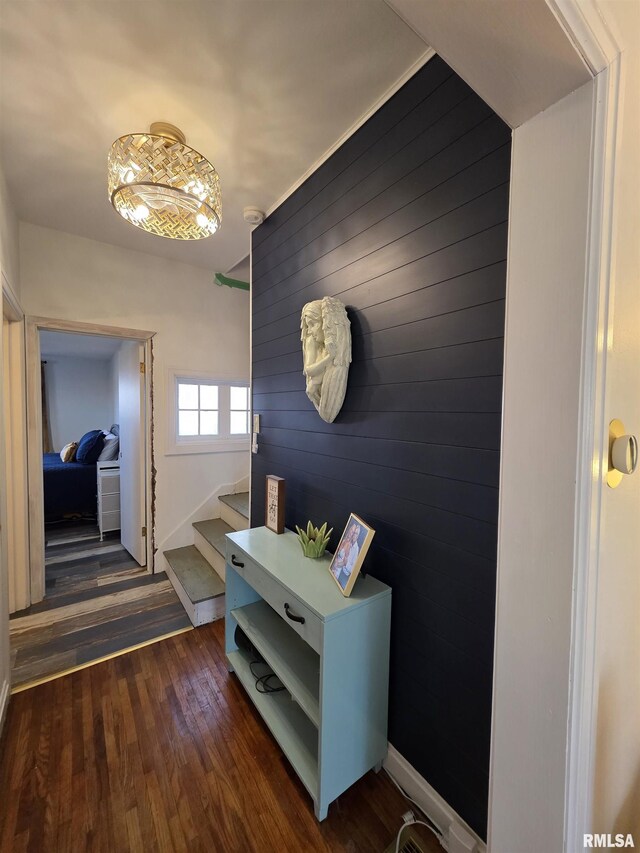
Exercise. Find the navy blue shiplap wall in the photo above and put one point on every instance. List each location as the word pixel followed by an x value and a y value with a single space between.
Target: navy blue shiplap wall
pixel 407 224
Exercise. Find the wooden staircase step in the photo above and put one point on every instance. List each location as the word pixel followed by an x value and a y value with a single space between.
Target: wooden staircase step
pixel 198 578
pixel 198 585
pixel 239 502
pixel 214 530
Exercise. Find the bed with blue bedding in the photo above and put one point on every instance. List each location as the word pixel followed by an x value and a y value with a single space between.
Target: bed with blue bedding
pixel 70 488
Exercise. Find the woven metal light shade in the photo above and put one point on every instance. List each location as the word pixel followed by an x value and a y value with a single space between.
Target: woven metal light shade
pixel 160 184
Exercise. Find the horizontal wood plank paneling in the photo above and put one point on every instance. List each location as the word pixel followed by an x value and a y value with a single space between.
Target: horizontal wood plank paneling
pixel 475 501
pixel 413 272
pixel 416 547
pixel 392 243
pixel 478 394
pixel 407 224
pixel 397 155
pixel 415 92
pixel 377 309
pixel 407 202
pixel 474 325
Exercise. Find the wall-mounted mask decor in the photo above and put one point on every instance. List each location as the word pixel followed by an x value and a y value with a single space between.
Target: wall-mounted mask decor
pixel 326 353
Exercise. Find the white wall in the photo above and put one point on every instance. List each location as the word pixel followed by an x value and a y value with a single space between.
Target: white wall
pixel 200 327
pixel 9 267
pixel 114 388
pixel 617 742
pixel 9 254
pixel 79 396
pixel 5 667
pixel 545 306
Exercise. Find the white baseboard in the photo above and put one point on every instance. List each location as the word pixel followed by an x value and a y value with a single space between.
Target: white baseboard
pixel 434 806
pixel 242 485
pixel 4 702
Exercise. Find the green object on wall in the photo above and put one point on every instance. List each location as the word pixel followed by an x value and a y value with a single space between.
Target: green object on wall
pixel 221 280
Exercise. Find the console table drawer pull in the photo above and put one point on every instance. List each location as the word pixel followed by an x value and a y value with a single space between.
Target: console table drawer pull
pixel 293 616
pixel 236 562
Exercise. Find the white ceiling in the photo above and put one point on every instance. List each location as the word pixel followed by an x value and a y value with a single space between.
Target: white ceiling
pixel 95 347
pixel 261 87
pixel 517 56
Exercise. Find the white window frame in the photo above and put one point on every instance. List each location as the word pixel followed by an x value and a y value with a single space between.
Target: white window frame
pixel 224 442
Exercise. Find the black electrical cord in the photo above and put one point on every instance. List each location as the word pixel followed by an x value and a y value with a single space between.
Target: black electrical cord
pixel 263 684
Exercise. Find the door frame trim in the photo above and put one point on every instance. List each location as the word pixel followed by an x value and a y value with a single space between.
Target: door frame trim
pixel 33 325
pixel 592 463
pixel 15 437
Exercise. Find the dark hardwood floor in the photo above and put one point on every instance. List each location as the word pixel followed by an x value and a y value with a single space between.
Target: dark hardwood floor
pixel 161 750
pixel 98 602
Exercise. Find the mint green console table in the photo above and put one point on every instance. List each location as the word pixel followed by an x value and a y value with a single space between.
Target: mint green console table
pixel 330 652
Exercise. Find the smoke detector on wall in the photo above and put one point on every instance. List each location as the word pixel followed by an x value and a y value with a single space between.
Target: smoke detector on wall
pixel 253 216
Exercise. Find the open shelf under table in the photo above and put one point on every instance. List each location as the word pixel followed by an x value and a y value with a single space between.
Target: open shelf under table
pixel 295 663
pixel 295 733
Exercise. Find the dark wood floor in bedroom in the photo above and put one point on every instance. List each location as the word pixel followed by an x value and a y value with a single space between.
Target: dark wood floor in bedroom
pixel 98 602
pixel 160 750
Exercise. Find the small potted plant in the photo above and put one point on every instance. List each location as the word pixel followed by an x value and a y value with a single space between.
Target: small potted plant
pixel 314 540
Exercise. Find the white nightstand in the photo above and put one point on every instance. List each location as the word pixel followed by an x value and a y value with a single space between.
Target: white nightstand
pixel 108 496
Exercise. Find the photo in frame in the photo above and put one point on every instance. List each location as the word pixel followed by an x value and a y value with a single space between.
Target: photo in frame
pixel 274 503
pixel 350 553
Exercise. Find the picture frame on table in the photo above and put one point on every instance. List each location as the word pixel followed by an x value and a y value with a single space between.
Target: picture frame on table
pixel 274 503
pixel 349 555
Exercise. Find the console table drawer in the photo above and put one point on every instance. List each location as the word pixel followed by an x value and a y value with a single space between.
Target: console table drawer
pixel 296 614
pixel 293 611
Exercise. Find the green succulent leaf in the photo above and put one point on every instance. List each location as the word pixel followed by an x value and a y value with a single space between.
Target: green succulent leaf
pixel 314 540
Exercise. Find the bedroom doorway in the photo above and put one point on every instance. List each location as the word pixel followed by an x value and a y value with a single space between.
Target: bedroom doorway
pixel 88 497
pixel 89 428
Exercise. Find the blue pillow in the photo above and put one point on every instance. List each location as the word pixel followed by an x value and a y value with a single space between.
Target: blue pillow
pixel 90 447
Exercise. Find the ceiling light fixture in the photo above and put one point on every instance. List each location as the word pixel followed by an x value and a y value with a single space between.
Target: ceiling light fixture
pixel 159 184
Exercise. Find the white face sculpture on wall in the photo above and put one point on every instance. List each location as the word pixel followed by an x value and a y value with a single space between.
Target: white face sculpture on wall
pixel 326 352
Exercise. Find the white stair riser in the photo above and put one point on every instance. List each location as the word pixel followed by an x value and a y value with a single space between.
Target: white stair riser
pixel 209 611
pixel 201 612
pixel 233 518
pixel 213 557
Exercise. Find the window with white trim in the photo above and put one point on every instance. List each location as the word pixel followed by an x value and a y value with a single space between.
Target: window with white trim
pixel 198 412
pixel 208 414
pixel 239 409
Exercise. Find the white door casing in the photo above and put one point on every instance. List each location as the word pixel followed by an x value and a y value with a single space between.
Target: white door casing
pixel 15 434
pixel 15 441
pixel 4 585
pixel 131 396
pixel 610 697
pixel 33 325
